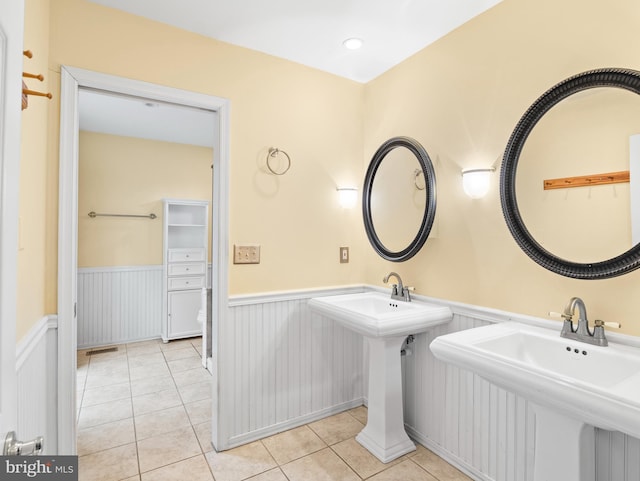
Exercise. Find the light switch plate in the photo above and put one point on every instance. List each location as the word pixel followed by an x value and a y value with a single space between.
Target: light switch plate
pixel 246 254
pixel 344 255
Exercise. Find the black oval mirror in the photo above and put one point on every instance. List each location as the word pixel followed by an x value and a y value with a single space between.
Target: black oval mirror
pixel 421 179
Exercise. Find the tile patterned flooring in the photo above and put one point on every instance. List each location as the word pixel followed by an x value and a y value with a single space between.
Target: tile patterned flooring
pixel 144 415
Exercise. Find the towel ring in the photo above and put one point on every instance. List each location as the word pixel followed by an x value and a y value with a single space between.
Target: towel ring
pixel 273 154
pixel 417 174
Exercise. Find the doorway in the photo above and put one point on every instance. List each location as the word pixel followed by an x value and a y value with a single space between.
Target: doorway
pixel 73 81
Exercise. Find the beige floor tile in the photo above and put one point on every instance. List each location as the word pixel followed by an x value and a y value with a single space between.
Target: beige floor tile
pixel 273 475
pixel 406 471
pixel 133 478
pixel 437 466
pixel 82 370
pixel 107 365
pixel 160 422
pixel 185 364
pixel 178 344
pixel 143 350
pixel 145 359
pixel 148 342
pixel 337 428
pixel 203 432
pixel 167 448
pixel 360 413
pixel 106 394
pixel 156 401
pixel 80 383
pixel 324 465
pixel 101 379
pixel 148 370
pixel 196 392
pixel 192 376
pixel 241 462
pixel 192 469
pixel 110 465
pixel 105 436
pixel 360 459
pixel 183 353
pixel 140 387
pixel 293 444
pixel 199 411
pixel 104 413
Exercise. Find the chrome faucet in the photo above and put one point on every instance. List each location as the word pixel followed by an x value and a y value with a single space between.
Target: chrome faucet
pixel 582 331
pixel 398 291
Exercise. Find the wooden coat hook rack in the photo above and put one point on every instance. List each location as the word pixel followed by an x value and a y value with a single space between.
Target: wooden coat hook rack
pixel 584 180
pixel 26 91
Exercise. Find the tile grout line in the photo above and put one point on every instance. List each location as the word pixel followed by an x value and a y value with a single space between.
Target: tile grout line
pixel 133 415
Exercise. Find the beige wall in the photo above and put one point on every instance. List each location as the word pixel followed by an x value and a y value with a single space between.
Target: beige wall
pixel 461 98
pixel 124 175
pixel 33 173
pixel 315 117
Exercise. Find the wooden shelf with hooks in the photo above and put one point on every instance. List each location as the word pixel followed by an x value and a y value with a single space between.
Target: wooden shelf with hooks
pixel 26 91
pixel 587 180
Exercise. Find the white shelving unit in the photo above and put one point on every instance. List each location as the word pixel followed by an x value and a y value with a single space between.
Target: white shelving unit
pixel 185 234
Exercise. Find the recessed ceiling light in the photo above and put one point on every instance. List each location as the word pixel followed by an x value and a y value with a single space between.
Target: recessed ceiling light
pixel 353 43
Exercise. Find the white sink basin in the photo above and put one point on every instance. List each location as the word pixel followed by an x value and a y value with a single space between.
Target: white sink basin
pixel 571 385
pixel 385 323
pixel 601 387
pixel 375 314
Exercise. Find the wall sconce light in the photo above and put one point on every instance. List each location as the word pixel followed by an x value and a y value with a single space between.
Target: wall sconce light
pixel 347 196
pixel 475 182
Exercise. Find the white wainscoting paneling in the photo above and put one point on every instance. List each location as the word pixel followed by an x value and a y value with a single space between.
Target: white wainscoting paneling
pixel 36 370
pixel 291 366
pixel 119 304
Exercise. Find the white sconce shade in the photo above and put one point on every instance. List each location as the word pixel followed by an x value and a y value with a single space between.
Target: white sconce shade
pixel 347 197
pixel 475 182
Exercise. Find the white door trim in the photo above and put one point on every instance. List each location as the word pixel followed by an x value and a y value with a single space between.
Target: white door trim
pixel 72 79
pixel 11 44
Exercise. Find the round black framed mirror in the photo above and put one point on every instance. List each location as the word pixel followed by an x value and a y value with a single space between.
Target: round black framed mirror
pixel 623 263
pixel 386 197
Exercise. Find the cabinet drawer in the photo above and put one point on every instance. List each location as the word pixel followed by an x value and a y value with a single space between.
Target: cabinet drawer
pixel 186 269
pixel 185 255
pixel 176 283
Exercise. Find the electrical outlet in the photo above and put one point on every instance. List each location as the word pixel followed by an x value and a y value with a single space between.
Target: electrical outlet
pixel 344 255
pixel 246 254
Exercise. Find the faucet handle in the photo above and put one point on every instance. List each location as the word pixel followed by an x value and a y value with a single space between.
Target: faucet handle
pixel 559 315
pixel 601 323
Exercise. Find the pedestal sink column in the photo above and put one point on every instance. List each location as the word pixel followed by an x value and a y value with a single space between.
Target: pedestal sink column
pixel 565 448
pixel 384 435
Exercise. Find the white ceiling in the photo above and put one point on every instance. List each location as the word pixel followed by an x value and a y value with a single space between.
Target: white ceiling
pixel 311 32
pixel 134 117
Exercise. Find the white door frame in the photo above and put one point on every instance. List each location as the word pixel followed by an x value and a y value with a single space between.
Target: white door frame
pixel 72 79
pixel 11 44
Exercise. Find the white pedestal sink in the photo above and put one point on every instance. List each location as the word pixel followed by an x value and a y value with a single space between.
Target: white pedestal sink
pixel 385 323
pixel 572 386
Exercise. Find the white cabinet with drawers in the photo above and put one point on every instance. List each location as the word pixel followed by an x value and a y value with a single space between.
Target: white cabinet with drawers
pixel 185 245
